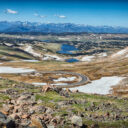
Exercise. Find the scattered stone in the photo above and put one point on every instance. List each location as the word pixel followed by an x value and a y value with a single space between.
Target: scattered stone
pixel 50 126
pixel 36 121
pixel 14 116
pixel 75 90
pixel 4 112
pixel 11 91
pixel 46 88
pixel 77 120
pixel 25 116
pixel 6 108
pixel 54 121
pixel 39 102
pixel 95 126
pixel 16 109
pixel 49 110
pixel 13 102
pixel 39 109
pixel 6 122
pixel 22 109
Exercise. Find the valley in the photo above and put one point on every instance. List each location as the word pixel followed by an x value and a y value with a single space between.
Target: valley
pixel 105 57
pixel 92 69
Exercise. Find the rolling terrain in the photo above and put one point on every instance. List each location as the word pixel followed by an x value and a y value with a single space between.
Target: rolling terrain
pixel 27 63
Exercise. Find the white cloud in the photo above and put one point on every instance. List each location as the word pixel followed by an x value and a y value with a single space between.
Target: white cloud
pixel 11 11
pixel 36 14
pixel 60 16
pixel 40 16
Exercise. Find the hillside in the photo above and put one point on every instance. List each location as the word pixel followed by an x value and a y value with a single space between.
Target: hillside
pixel 28 106
pixel 32 73
pixel 8 53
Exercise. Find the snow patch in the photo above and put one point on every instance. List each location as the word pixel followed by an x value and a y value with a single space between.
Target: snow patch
pixel 39 84
pixel 5 69
pixel 101 86
pixel 65 79
pixel 13 61
pixel 103 54
pixel 31 60
pixel 87 58
pixel 48 57
pixel 31 51
pixel 121 52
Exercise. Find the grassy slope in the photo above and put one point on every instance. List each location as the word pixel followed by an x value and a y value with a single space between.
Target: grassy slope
pixel 50 47
pixel 51 99
pixel 94 70
pixel 10 53
pixel 97 99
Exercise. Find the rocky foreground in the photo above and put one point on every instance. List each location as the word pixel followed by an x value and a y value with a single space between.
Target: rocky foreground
pixel 24 106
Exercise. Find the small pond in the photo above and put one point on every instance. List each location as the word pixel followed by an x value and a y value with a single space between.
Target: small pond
pixel 47 41
pixel 71 60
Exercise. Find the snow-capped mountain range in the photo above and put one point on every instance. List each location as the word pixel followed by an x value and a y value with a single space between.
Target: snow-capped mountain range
pixel 19 26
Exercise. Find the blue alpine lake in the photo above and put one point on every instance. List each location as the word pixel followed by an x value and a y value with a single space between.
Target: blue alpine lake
pixel 66 49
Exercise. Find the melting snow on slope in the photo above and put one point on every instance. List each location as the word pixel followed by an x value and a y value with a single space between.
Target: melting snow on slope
pixel 103 54
pixel 47 57
pixel 4 69
pixel 121 53
pixel 87 58
pixel 31 51
pixel 101 86
pixel 43 84
pixel 65 79
pixel 30 60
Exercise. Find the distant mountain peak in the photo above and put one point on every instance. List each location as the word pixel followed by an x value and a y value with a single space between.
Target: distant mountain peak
pixel 18 26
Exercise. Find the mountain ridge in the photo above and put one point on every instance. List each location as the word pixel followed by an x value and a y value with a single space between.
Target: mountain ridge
pixel 18 26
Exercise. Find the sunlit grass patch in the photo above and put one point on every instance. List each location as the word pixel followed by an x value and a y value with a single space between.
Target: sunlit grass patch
pixel 50 96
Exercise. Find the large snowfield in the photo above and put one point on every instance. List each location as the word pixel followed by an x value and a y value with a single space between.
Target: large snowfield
pixel 5 69
pixel 101 86
pixel 87 58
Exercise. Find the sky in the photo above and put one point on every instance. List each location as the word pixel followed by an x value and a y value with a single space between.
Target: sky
pixel 87 12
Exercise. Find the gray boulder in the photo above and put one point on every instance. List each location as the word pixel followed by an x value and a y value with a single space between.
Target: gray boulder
pixel 6 121
pixel 77 120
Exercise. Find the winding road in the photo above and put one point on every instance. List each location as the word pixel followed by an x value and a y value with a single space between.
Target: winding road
pixel 82 79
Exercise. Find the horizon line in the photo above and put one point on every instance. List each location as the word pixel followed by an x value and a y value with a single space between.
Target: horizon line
pixel 66 23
